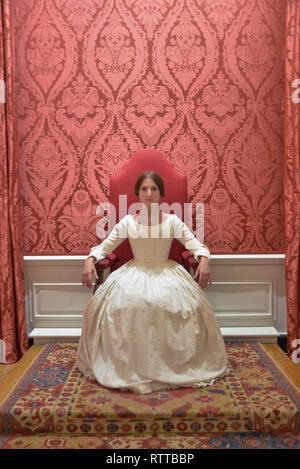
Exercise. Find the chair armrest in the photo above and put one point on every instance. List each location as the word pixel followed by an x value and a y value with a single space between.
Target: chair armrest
pixel 189 260
pixel 109 261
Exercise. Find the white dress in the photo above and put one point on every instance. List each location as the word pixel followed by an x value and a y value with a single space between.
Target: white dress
pixel 149 325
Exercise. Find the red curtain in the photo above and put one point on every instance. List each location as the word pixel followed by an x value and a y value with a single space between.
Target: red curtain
pixel 14 340
pixel 292 171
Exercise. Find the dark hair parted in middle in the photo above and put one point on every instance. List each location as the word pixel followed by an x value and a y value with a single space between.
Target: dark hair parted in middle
pixel 155 177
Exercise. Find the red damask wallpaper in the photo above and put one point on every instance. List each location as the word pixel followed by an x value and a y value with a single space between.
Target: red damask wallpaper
pixel 200 80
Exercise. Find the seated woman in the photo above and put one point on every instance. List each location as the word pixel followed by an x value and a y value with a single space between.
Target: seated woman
pixel 150 326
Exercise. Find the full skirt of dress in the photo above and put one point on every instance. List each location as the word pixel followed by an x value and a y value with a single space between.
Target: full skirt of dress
pixel 150 327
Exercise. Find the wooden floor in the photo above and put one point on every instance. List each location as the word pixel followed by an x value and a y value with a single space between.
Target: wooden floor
pixel 10 374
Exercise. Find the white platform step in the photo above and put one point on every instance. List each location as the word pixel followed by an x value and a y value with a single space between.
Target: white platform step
pixel 45 335
pixel 255 334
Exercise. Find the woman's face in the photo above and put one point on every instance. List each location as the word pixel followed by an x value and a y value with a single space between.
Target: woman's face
pixel 149 192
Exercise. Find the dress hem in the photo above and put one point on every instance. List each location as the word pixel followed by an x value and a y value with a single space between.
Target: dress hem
pixel 147 387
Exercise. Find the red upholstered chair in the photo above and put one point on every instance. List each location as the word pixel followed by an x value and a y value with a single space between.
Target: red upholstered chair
pixel 124 182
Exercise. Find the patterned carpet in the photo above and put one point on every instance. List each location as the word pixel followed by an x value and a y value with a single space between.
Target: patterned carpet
pixel 54 406
pixel 137 442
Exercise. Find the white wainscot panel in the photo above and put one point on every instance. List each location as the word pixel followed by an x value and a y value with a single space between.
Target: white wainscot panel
pixel 244 302
pixel 59 299
pixel 55 297
pixel 247 295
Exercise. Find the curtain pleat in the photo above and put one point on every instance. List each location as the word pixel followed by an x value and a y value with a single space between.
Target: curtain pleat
pixel 292 171
pixel 13 334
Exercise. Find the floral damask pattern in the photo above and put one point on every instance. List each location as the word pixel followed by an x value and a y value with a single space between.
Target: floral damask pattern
pixel 185 54
pixel 150 110
pixel 202 81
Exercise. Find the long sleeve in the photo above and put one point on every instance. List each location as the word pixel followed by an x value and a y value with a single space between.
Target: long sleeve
pixel 113 240
pixel 190 242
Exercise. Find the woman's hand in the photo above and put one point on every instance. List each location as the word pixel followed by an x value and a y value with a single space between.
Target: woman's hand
pixel 88 272
pixel 203 271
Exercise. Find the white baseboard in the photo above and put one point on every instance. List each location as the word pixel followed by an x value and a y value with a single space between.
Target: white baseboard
pixel 46 335
pixel 247 334
pixel 247 295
